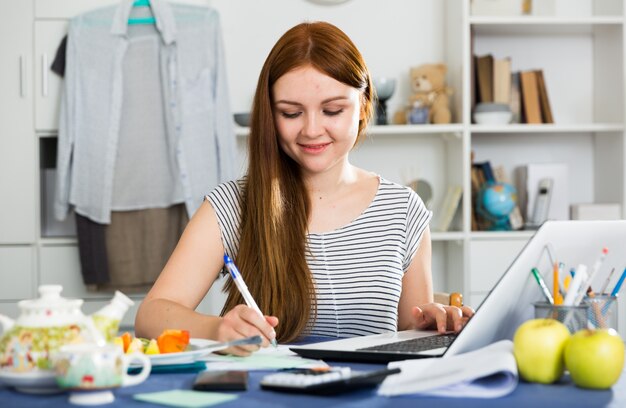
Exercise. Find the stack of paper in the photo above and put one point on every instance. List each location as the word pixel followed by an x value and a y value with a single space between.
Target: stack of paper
pixel 489 372
pixel 268 358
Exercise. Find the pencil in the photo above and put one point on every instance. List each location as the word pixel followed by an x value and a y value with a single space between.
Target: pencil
pixel 558 299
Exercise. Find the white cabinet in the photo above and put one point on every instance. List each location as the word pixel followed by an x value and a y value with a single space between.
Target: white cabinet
pixel 48 36
pixel 59 264
pixel 17 271
pixel 18 183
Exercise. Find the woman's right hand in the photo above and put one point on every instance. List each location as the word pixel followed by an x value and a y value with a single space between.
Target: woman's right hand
pixel 243 321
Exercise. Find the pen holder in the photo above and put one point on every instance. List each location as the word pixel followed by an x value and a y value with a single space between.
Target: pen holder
pixel 574 317
pixel 602 311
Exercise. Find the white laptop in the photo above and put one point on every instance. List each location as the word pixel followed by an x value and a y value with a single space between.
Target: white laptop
pixel 507 305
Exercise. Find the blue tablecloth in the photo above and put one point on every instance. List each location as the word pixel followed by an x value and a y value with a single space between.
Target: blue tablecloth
pixel 525 395
pixel 563 394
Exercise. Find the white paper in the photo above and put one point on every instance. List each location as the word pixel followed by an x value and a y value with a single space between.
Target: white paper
pixel 267 358
pixel 489 372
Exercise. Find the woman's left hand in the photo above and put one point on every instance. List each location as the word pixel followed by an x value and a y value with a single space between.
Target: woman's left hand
pixel 441 317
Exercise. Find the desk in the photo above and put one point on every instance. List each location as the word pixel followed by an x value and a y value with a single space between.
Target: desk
pixel 525 395
pixel 564 394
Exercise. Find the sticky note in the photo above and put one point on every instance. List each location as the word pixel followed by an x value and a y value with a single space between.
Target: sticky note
pixel 185 398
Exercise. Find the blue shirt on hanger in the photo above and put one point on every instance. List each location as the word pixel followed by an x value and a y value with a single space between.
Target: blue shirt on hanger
pixel 197 121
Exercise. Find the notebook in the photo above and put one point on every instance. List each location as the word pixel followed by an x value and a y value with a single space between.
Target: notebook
pixel 508 304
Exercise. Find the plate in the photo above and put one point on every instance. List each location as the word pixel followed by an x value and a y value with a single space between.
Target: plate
pixel 35 382
pixel 196 348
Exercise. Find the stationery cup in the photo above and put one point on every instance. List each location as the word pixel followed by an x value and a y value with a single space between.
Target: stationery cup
pixel 574 317
pixel 602 311
pixel 90 371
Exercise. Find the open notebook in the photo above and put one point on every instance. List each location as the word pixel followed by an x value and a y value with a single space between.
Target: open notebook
pixel 506 306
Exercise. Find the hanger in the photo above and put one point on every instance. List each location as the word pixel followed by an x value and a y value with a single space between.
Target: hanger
pixel 141 20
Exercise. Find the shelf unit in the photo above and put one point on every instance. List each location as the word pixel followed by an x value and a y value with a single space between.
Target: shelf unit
pixel 583 61
pixel 582 58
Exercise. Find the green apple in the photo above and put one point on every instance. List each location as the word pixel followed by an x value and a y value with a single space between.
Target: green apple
pixel 595 358
pixel 538 347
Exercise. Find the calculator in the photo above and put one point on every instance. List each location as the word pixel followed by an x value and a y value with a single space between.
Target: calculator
pixel 327 380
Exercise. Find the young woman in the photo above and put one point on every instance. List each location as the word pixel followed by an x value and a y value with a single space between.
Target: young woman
pixel 326 248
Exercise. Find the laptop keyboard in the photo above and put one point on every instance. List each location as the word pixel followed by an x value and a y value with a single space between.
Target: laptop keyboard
pixel 415 345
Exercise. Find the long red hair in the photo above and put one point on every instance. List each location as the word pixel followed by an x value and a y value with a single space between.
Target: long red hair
pixel 275 205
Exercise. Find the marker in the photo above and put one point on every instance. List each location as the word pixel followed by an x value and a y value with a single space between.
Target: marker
pixel 562 288
pixel 566 282
pixel 542 284
pixel 594 271
pixel 243 289
pixel 574 287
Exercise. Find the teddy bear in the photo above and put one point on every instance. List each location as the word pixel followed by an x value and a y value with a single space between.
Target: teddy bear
pixel 428 86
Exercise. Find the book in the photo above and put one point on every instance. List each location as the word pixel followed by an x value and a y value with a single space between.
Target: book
pixel 515 102
pixel 478 182
pixel 484 78
pixel 489 372
pixel 530 97
pixel 502 80
pixel 487 171
pixel 476 186
pixel 546 110
pixel 449 207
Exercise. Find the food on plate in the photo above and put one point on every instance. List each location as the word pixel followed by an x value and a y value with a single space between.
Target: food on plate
pixel 173 341
pixel 169 341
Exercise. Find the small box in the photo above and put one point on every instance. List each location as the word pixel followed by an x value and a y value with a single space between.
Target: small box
pixel 497 7
pixel 596 211
pixel 562 8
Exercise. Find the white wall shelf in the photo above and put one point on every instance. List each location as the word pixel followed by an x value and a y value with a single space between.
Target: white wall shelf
pixel 379 130
pixel 501 235
pixel 541 25
pixel 447 236
pixel 549 128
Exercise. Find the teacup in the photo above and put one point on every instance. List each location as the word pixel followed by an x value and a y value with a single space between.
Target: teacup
pixel 91 371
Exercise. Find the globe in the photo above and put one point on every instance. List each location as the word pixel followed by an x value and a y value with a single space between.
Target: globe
pixel 495 202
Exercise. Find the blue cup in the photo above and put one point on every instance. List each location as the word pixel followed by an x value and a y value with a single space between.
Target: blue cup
pixel 418 116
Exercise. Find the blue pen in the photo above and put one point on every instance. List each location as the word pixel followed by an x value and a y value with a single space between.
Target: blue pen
pixel 614 293
pixel 619 284
pixel 243 289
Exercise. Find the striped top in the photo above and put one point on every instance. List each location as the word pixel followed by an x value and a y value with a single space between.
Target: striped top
pixel 357 269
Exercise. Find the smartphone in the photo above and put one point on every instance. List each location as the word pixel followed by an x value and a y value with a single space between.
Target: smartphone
pixel 221 381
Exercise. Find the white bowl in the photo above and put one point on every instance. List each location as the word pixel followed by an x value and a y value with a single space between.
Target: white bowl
pixel 492 118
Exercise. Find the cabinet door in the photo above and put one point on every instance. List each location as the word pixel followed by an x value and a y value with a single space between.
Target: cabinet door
pixel 48 36
pixel 17 139
pixel 60 265
pixel 16 272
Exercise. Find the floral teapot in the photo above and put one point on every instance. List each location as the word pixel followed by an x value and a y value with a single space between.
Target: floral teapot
pixel 45 324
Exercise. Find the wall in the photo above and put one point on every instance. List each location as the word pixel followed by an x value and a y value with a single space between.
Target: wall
pixel 392 35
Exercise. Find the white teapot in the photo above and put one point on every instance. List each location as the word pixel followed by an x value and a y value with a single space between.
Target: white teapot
pixel 45 324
